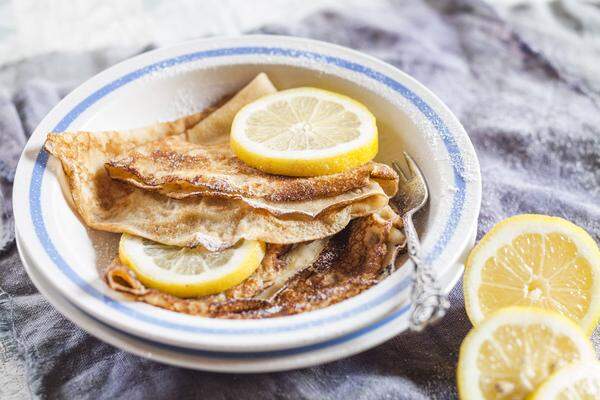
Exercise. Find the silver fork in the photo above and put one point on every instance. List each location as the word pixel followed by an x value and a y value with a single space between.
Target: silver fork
pixel 429 303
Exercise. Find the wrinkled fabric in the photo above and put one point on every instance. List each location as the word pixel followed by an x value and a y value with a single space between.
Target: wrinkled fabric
pixel 524 82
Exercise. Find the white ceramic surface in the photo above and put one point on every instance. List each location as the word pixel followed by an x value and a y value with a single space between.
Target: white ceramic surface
pixel 167 83
pixel 318 353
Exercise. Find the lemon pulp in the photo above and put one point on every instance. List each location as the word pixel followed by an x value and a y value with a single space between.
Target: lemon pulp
pixel 534 260
pixel 510 353
pixel 304 132
pixel 189 272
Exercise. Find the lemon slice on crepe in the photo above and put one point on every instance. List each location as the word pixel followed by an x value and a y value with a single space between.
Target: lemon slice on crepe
pixel 304 132
pixel 189 272
pixel 576 381
pixel 535 260
pixel 511 352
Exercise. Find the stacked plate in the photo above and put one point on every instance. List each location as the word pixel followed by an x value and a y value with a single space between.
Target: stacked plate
pixel 64 258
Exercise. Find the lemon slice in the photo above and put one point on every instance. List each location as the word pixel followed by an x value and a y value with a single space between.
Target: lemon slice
pixel 189 272
pixel 510 353
pixel 535 260
pixel 576 381
pixel 304 132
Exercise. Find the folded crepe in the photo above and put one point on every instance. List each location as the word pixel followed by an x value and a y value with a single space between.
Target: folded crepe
pixel 291 279
pixel 215 222
pixel 180 169
pixel 201 162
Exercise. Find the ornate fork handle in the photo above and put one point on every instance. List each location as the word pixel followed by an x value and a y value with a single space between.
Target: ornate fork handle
pixel 429 303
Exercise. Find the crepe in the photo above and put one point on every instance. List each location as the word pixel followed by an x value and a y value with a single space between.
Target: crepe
pixel 179 169
pixel 213 222
pixel 291 279
pixel 216 126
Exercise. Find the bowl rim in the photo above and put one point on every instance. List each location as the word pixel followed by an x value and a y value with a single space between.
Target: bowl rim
pixel 240 362
pixel 31 223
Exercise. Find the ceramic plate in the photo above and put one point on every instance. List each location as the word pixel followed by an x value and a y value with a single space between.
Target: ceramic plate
pixel 247 362
pixel 171 82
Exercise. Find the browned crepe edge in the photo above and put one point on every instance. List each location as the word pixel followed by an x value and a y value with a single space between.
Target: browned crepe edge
pixel 361 249
pixel 295 189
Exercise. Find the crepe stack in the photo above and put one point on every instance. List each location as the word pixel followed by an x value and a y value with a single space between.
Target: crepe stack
pixel 179 183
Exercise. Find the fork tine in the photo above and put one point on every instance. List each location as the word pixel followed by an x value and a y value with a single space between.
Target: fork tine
pixel 399 170
pixel 412 166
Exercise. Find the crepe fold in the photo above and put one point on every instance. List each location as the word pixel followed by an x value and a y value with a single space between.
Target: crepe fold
pixel 291 279
pixel 179 169
pixel 214 218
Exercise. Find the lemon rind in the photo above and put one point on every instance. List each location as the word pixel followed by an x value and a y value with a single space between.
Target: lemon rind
pixel 560 380
pixel 304 167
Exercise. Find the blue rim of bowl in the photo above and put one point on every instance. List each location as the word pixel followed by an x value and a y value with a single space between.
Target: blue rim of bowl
pixel 456 160
pixel 258 355
pixel 239 356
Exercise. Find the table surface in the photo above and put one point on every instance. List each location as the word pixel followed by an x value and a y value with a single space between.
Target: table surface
pixel 522 76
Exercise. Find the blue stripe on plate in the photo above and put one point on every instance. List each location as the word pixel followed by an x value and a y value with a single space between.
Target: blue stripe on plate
pixel 271 353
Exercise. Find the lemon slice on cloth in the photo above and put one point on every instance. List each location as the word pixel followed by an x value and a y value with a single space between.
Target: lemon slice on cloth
pixel 535 260
pixel 511 352
pixel 576 381
pixel 304 132
pixel 189 272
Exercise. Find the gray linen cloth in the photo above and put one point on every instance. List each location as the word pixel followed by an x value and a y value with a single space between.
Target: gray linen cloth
pixel 526 86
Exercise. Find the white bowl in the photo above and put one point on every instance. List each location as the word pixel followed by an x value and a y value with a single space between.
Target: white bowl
pixel 170 82
pixel 238 362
